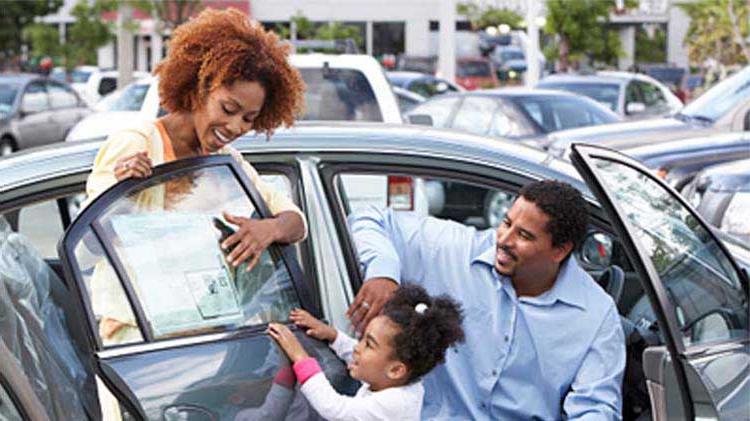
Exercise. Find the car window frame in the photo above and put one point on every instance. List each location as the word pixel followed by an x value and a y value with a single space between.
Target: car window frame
pixel 46 96
pixel 67 89
pixel 457 112
pixel 582 157
pixel 87 222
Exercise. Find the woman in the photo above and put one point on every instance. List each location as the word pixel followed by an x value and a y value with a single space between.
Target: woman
pixel 224 76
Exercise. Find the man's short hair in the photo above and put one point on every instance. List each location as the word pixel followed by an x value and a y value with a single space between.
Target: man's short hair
pixel 564 205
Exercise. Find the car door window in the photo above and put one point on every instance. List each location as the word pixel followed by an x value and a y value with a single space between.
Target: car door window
pixel 702 285
pixel 475 115
pixel 632 94
pixel 34 98
pixel 61 96
pixel 652 95
pixel 439 109
pixel 161 242
pixel 506 122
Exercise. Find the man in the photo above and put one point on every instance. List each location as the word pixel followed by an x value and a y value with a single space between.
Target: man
pixel 543 341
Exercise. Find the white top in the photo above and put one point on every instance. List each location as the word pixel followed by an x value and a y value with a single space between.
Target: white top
pixel 395 403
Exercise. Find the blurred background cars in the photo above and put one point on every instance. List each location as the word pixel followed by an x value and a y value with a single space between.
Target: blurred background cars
pixel 36 111
pixel 509 62
pixel 407 100
pixel 92 83
pixel 514 113
pixel 476 73
pixel 420 64
pixel 723 108
pixel 423 84
pixel 632 95
pixel 677 161
pixel 721 194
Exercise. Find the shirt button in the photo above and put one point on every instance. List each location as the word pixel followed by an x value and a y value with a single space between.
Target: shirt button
pixel 494 372
pixel 484 405
pixel 507 338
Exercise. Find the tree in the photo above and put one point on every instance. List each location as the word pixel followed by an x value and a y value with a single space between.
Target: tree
pixel 15 16
pixel 482 18
pixel 651 49
pixel 718 30
pixel 582 31
pixel 170 13
pixel 307 29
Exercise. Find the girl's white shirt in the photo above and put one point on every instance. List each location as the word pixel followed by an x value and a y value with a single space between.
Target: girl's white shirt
pixel 395 403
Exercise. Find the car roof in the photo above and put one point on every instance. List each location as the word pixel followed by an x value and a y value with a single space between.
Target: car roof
pixel 39 164
pixel 685 145
pixel 577 78
pixel 520 91
pixel 18 78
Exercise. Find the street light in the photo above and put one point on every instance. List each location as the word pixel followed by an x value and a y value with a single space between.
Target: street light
pixel 504 28
pixel 540 21
pixel 491 31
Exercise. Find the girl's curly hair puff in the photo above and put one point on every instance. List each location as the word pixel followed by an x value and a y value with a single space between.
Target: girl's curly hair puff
pixel 424 338
pixel 219 47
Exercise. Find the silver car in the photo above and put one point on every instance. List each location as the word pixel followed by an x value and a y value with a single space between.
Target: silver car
pixel 36 111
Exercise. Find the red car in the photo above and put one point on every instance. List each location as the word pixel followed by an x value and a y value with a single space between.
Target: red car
pixel 476 73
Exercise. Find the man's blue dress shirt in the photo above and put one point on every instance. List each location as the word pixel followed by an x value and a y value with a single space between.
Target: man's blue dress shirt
pixel 561 353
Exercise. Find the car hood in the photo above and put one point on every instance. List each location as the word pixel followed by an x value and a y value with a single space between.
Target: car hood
pixel 102 124
pixel 626 134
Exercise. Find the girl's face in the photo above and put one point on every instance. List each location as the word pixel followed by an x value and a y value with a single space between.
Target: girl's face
pixel 228 113
pixel 374 357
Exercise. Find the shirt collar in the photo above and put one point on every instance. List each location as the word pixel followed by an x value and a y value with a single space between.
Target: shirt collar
pixel 568 287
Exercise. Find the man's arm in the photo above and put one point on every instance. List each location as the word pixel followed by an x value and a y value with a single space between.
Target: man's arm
pixel 596 391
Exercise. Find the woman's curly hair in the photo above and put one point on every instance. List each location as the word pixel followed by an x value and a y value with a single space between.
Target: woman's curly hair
pixel 219 47
pixel 425 337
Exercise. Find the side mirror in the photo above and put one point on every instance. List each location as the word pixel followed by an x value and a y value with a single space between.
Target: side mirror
pixel 596 249
pixel 420 119
pixel 635 108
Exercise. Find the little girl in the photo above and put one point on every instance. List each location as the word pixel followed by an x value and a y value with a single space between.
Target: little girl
pixel 398 347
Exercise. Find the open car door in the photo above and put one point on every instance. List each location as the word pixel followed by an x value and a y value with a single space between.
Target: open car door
pixel 696 289
pixel 176 332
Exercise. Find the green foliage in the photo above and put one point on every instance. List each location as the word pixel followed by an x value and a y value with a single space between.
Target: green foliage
pixel 718 30
pixel 582 31
pixel 488 16
pixel 15 15
pixel 44 40
pixel 170 13
pixel 307 29
pixel 651 49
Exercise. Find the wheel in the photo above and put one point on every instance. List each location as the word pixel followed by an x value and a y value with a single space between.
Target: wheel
pixel 496 205
pixel 6 147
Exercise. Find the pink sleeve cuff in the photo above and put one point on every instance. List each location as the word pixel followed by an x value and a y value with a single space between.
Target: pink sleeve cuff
pixel 285 377
pixel 306 368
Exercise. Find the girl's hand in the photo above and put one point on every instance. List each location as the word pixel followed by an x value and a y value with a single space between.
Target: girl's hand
pixel 287 341
pixel 313 327
pixel 252 237
pixel 136 165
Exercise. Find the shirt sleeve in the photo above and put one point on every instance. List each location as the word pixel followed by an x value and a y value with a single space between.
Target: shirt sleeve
pixel 596 391
pixel 118 145
pixel 343 346
pixel 399 245
pixel 276 200
pixel 333 406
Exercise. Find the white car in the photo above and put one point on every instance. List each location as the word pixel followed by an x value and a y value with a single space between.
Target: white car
pixel 92 83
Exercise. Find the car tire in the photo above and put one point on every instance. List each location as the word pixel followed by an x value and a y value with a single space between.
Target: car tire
pixel 496 205
pixel 7 146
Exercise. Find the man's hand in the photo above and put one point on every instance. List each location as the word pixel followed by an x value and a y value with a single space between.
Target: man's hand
pixel 369 301
pixel 313 327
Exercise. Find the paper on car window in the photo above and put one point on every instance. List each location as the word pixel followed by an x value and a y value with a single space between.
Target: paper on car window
pixel 178 270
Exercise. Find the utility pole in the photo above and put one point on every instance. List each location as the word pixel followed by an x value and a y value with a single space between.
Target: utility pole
pixel 447 46
pixel 532 43
pixel 124 45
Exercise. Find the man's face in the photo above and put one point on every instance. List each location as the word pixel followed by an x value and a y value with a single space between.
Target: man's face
pixel 524 247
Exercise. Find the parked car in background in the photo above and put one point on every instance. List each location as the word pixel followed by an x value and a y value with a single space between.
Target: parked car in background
pixel 723 108
pixel 476 73
pixel 419 64
pixel 509 62
pixel 422 84
pixel 681 296
pixel 721 194
pixel 93 83
pixel 36 111
pixel 339 88
pixel 488 43
pixel 407 99
pixel 527 115
pixel 677 161
pixel 632 95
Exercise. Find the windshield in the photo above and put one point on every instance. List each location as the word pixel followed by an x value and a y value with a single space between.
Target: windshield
pixel 339 94
pixel 554 113
pixel 129 99
pixel 80 76
pixel 7 97
pixel 511 55
pixel 606 93
pixel 721 98
pixel 473 69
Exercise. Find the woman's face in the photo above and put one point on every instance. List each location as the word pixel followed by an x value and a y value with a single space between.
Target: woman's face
pixel 228 113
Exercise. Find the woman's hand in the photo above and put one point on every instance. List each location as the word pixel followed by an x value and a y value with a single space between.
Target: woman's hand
pixel 136 165
pixel 313 327
pixel 252 237
pixel 287 341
